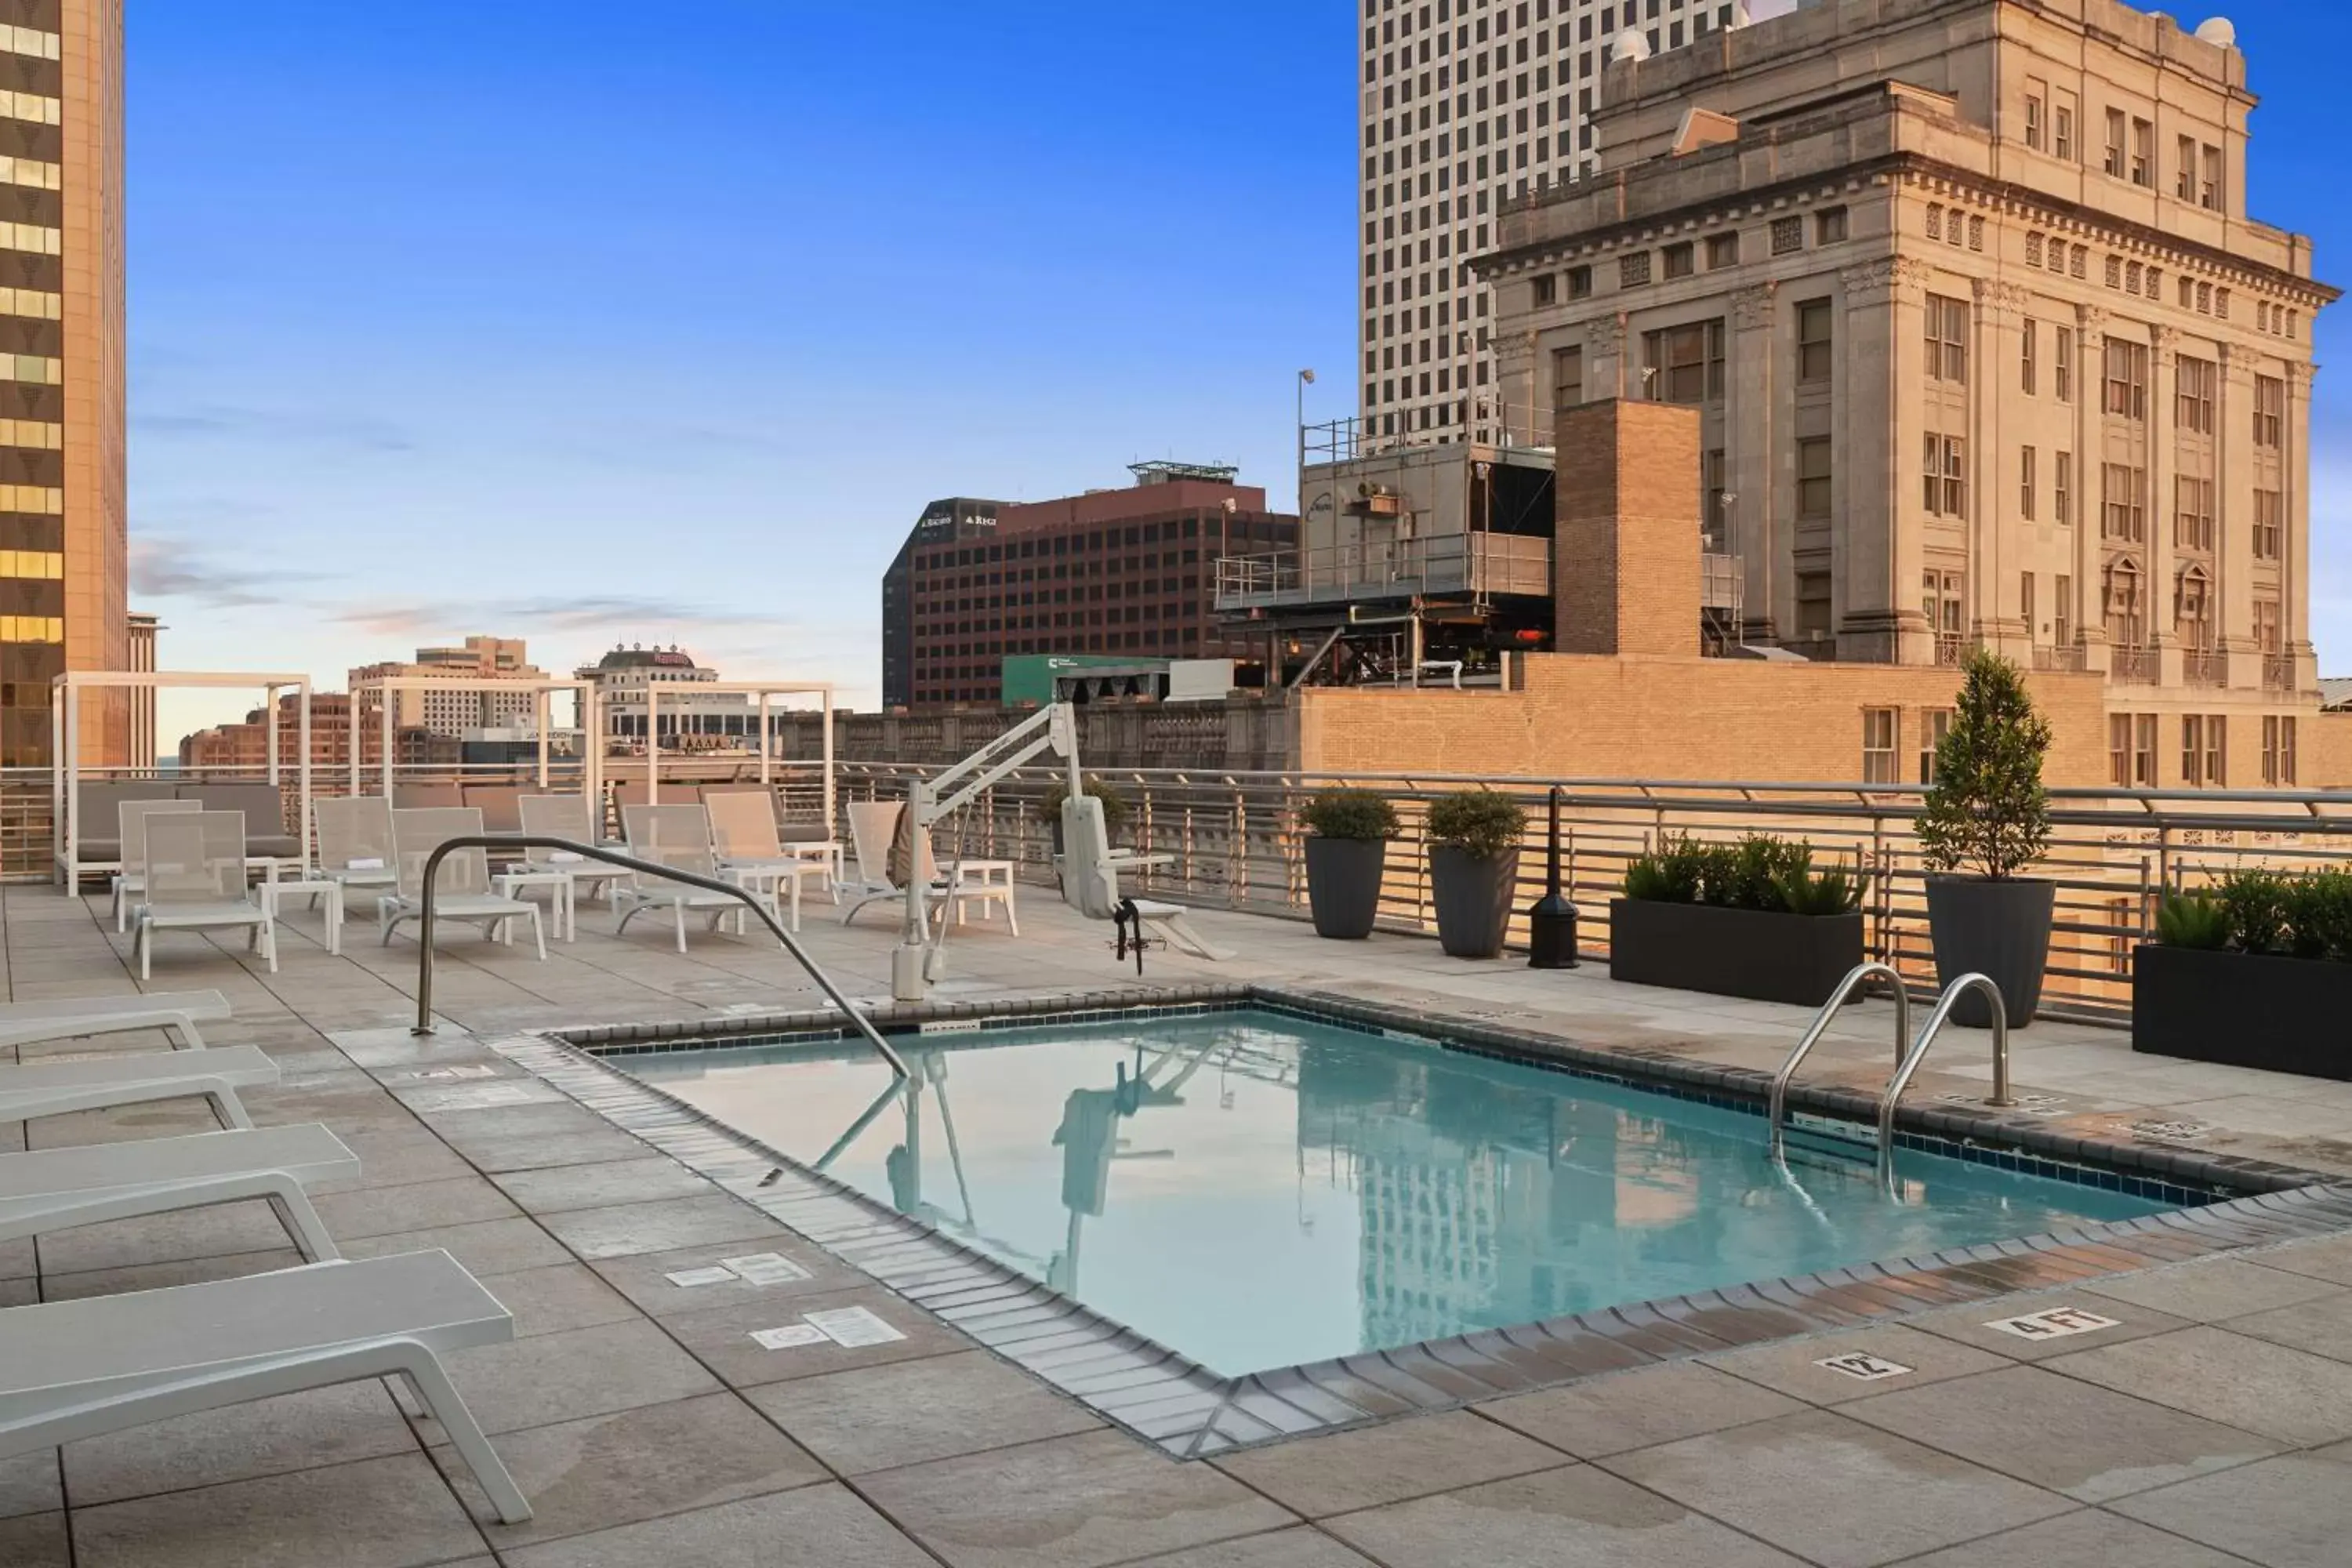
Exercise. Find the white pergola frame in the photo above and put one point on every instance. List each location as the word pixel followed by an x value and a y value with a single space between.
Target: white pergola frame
pixel 765 691
pixel 64 739
pixel 387 686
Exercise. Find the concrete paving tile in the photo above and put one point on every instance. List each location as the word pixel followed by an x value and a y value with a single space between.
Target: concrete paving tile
pixel 2323 1327
pixel 1301 1547
pixel 1070 1503
pixel 413 1205
pixel 723 1339
pixel 1370 1466
pixel 1637 1409
pixel 1969 1324
pixel 28 1484
pixel 161 1118
pixel 398 1157
pixel 564 1296
pixel 644 1279
pixel 814 1527
pixel 249 1227
pixel 1793 1366
pixel 598 1186
pixel 162 1275
pixel 35 1541
pixel 2084 1539
pixel 661 1226
pixel 881 1417
pixel 294 1432
pixel 378 1513
pixel 1835 1491
pixel 2088 1442
pixel 2293 1511
pixel 1579 1515
pixel 487 1247
pixel 2211 1290
pixel 2328 1258
pixel 635 1465
pixel 2271 1389
pixel 578 1373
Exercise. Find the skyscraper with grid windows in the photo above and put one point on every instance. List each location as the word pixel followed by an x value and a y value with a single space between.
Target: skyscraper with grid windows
pixel 1465 102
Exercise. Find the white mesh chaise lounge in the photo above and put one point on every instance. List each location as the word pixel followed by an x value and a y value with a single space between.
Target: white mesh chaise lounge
pixel 1090 881
pixel 677 837
pixel 131 879
pixel 873 826
pixel 355 844
pixel 566 817
pixel 195 881
pixel 136 1077
pixel 177 1012
pixel 70 1369
pixel 461 887
pixel 57 1189
pixel 744 838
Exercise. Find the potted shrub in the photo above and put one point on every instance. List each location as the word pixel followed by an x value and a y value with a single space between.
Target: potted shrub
pixel 1751 920
pixel 1114 804
pixel 1474 870
pixel 1346 856
pixel 2255 972
pixel 1988 819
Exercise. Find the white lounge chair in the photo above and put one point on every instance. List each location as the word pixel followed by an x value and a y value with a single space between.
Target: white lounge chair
pixel 78 1017
pixel 748 849
pixel 677 837
pixel 355 844
pixel 132 879
pixel 461 889
pixel 57 1189
pixel 1090 881
pixel 875 825
pixel 136 1077
pixel 566 817
pixel 70 1369
pixel 195 881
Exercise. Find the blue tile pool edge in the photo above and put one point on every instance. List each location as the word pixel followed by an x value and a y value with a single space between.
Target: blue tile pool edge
pixel 1191 1412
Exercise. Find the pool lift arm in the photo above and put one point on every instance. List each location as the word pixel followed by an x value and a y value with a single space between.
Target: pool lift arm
pixel 920 958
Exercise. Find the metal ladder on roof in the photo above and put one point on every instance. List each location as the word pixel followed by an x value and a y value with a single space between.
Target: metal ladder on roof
pixel 1908 1055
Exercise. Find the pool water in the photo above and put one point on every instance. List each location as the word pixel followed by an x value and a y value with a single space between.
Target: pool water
pixel 1256 1191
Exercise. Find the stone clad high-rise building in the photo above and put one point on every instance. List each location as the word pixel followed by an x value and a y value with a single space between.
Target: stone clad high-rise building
pixel 1465 102
pixel 64 565
pixel 1984 345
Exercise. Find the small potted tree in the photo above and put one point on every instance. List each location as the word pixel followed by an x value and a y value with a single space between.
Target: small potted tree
pixel 1474 870
pixel 1988 819
pixel 1345 853
pixel 1049 810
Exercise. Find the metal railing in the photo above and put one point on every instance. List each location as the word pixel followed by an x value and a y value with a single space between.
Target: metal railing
pixel 1775 1115
pixel 1437 563
pixel 2062 658
pixel 1910 1066
pixel 857 1020
pixel 2133 665
pixel 2199 667
pixel 2278 672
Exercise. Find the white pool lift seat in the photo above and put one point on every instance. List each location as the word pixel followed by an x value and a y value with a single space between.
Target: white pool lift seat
pixel 1090 881
pixel 57 1189
pixel 197 881
pixel 70 1369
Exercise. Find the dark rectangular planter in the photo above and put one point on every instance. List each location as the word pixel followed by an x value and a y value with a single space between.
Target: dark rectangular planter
pixel 1732 953
pixel 2285 1014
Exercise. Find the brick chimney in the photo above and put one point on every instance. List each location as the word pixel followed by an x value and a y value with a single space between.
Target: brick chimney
pixel 1625 556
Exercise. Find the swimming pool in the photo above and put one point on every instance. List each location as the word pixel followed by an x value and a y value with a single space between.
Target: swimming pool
pixel 1256 1190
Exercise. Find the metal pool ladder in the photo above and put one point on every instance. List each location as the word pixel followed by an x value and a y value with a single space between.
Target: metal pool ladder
pixel 1848 988
pixel 1903 1074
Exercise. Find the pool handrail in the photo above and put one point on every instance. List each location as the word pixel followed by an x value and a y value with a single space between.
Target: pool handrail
pixel 1860 975
pixel 1902 1080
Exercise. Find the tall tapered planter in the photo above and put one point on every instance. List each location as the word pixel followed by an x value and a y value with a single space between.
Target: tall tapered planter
pixel 1472 895
pixel 1343 885
pixel 2000 930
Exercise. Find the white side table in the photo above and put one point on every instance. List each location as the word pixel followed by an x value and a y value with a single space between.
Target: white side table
pixel 509 885
pixel 278 889
pixel 765 878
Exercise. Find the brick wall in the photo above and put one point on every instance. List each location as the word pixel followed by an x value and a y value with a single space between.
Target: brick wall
pixel 1625 573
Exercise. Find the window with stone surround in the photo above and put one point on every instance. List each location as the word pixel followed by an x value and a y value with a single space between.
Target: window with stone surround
pixel 2270 412
pixel 1880 728
pixel 1947 339
pixel 1788 234
pixel 1934 723
pixel 2199 382
pixel 2127 379
pixel 1687 363
pixel 1816 340
pixel 1945 473
pixel 2121 604
pixel 2124 504
pixel 1813 478
pixel 2270 523
pixel 2278 752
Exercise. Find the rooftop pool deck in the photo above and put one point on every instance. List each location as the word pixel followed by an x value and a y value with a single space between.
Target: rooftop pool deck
pixel 2177 1391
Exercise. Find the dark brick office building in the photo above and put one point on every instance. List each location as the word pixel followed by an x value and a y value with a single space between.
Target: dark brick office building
pixel 1129 571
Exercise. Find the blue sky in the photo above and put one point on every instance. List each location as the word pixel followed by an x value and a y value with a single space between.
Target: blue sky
pixel 583 322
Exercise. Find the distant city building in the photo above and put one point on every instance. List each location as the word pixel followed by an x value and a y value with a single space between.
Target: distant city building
pixel 1462 107
pixel 462 707
pixel 64 557
pixel 1131 571
pixel 690 721
pixel 143 630
pixel 245 747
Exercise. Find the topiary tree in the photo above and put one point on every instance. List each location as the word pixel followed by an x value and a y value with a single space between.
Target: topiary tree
pixel 1989 808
